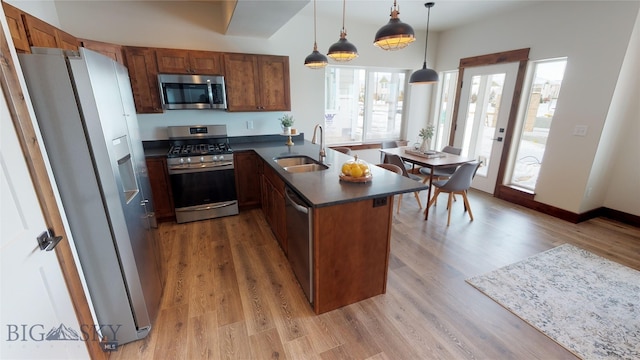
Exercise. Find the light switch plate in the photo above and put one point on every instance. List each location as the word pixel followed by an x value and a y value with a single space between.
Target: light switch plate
pixel 580 130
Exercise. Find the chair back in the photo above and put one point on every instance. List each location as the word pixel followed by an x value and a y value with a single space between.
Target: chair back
pixel 389 144
pixel 397 161
pixel 452 150
pixel 461 179
pixel 391 167
pixel 343 149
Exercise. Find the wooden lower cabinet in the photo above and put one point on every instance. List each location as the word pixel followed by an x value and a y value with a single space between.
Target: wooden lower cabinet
pixel 160 188
pixel 350 252
pixel 273 205
pixel 248 167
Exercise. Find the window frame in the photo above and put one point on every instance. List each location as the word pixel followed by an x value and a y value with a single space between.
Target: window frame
pixel 369 87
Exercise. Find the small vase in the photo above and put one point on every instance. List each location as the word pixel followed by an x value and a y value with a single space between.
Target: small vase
pixel 286 130
pixel 424 147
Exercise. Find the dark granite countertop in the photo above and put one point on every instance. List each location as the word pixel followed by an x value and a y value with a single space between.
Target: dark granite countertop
pixel 324 188
pixel 318 188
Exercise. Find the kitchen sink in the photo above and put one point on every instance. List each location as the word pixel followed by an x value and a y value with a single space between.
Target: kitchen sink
pixel 297 164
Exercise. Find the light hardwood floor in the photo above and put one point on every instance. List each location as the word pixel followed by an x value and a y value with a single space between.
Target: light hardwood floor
pixel 231 295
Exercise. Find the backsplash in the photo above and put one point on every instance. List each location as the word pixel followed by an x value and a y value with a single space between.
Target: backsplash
pixel 154 126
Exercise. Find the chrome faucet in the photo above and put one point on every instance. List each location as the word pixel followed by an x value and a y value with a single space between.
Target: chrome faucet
pixel 314 140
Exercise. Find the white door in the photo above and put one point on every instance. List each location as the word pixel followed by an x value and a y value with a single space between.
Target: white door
pixel 483 114
pixel 37 318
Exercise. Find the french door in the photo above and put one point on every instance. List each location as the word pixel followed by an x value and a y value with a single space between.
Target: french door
pixel 483 115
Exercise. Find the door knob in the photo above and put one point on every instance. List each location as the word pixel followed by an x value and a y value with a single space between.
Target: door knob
pixel 499 139
pixel 47 240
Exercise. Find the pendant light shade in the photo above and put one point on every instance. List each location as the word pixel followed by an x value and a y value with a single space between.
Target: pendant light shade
pixel 343 50
pixel 395 35
pixel 315 60
pixel 425 75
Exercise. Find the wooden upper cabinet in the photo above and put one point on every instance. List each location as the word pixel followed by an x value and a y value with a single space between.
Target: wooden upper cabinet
pixel 274 83
pixel 43 34
pixel 113 51
pixel 67 41
pixel 176 61
pixel 16 28
pixel 257 82
pixel 143 72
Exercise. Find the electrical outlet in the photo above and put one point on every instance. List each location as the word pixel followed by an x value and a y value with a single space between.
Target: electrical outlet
pixel 580 130
pixel 250 124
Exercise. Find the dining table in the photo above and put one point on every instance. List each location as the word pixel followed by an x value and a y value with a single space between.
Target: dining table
pixel 431 160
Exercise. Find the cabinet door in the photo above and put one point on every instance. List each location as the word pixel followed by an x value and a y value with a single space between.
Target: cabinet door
pixel 160 188
pixel 66 41
pixel 173 61
pixel 274 83
pixel 16 28
pixel 242 82
pixel 113 51
pixel 141 63
pixel 206 62
pixel 247 178
pixel 40 33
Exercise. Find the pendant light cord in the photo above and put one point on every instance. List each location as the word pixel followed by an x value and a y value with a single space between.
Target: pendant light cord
pixel 344 7
pixel 315 42
pixel 426 41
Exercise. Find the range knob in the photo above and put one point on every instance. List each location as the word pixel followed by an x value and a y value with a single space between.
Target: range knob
pixel 214 158
pixel 221 157
pixel 188 160
pixel 181 160
pixel 201 159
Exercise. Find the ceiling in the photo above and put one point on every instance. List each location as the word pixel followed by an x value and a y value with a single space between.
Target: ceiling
pixel 262 18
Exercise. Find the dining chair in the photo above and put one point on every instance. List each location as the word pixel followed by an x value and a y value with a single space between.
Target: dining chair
pixel 443 173
pixel 397 161
pixel 458 183
pixel 343 149
pixel 390 144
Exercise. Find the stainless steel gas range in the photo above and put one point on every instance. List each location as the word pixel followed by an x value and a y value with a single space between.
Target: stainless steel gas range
pixel 201 170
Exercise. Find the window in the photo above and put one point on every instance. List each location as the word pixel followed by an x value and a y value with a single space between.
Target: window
pixel 363 105
pixel 444 112
pixel 536 121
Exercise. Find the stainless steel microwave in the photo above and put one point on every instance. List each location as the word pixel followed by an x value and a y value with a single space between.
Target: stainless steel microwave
pixel 192 92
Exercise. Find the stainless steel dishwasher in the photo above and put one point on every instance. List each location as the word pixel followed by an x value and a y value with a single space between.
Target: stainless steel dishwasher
pixel 300 240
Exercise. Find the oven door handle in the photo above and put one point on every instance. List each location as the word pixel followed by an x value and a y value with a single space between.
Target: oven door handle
pixel 197 168
pixel 207 207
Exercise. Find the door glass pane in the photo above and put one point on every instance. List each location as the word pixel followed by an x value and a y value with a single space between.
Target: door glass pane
pixel 543 98
pixel 482 115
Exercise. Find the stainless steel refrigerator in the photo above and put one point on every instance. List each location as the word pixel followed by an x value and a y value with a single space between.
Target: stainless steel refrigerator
pixel 84 107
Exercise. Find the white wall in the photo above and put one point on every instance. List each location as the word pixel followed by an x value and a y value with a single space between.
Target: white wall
pixel 594 36
pixel 623 129
pixel 140 24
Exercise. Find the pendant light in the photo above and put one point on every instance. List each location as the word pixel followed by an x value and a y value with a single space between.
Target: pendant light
pixel 315 60
pixel 343 50
pixel 424 75
pixel 395 35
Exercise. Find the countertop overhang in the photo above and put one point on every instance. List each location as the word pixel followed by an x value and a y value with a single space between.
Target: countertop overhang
pixel 324 188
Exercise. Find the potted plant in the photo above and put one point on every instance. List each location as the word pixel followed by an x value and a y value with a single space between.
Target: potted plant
pixel 286 121
pixel 426 134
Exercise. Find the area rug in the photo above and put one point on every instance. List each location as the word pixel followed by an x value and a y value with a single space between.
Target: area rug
pixel 587 304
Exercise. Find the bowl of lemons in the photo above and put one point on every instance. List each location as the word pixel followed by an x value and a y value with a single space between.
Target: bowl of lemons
pixel 355 170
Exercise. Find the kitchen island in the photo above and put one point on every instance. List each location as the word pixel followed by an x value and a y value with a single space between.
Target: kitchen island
pixel 349 226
